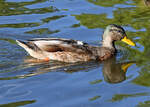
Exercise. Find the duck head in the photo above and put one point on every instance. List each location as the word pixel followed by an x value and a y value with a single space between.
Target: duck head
pixel 114 33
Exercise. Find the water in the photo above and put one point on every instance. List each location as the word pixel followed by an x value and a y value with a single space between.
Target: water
pixel 118 82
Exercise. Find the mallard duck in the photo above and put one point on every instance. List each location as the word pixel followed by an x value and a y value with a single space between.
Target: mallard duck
pixel 68 50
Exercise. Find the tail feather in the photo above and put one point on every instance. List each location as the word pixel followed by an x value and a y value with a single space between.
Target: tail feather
pixel 27 45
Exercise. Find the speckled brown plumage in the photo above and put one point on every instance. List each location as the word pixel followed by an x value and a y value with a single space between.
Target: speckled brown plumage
pixel 68 50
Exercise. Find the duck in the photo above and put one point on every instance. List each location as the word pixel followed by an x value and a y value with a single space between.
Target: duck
pixel 71 51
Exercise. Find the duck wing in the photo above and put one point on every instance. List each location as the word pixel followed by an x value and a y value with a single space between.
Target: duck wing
pixel 58 44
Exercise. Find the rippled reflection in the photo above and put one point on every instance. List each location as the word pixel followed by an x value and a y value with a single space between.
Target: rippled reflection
pixel 81 84
pixel 119 97
pixel 16 8
pixel 16 104
pixel 115 72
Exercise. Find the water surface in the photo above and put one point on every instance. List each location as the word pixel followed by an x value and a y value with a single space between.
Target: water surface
pixel 121 81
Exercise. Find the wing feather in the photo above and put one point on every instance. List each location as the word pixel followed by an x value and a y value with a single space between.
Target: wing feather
pixel 58 44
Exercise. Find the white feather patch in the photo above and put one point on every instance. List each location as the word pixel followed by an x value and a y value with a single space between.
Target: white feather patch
pixel 52 42
pixel 79 42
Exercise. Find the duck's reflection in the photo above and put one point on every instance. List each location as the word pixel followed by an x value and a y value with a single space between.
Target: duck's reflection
pixel 115 72
pixel 60 66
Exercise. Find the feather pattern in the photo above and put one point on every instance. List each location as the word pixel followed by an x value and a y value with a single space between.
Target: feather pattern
pixel 68 50
pixel 57 44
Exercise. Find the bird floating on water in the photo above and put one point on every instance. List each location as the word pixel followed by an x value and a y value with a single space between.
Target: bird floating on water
pixel 70 51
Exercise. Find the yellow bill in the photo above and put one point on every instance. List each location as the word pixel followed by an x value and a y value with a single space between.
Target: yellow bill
pixel 128 41
pixel 126 66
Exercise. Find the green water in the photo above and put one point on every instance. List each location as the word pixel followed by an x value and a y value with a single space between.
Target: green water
pixel 121 81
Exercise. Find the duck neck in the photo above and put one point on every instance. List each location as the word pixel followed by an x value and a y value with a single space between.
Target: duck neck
pixel 108 42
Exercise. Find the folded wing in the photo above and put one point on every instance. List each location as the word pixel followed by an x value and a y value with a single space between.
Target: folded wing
pixel 57 44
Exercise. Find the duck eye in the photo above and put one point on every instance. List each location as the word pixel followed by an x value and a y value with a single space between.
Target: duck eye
pixel 116 30
pixel 119 31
